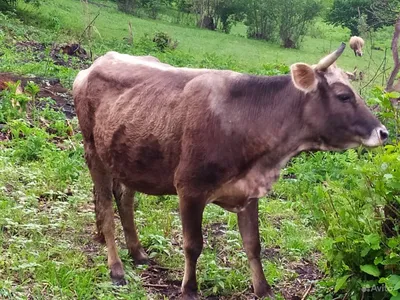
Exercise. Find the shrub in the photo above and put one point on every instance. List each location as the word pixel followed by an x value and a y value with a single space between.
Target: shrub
pixel 287 17
pixel 11 4
pixel 163 41
pixel 295 18
pixel 13 103
pixel 355 198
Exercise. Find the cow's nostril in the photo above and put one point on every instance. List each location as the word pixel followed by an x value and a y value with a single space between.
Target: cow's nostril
pixel 383 134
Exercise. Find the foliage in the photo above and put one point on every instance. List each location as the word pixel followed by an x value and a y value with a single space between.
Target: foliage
pixel 11 4
pixel 289 19
pixel 355 198
pixel 228 13
pixel 150 7
pixel 12 104
pixel 163 41
pixel 263 19
pixel 337 201
pixel 347 13
pixel 295 17
pixel 127 6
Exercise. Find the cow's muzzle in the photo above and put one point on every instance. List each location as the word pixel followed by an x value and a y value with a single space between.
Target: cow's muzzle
pixel 378 137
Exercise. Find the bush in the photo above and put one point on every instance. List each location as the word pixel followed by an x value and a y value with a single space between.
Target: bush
pixel 163 41
pixel 355 198
pixel 377 13
pixel 12 4
pixel 295 18
pixel 287 17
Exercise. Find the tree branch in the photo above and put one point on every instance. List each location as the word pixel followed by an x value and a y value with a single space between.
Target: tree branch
pixel 395 53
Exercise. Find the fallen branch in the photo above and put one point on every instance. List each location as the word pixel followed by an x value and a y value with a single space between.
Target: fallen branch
pixel 307 292
pixel 160 286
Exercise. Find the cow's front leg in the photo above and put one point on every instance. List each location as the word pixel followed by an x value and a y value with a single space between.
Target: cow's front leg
pixel 248 227
pixel 191 210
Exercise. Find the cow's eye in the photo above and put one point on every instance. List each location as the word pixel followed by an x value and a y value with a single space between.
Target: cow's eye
pixel 344 97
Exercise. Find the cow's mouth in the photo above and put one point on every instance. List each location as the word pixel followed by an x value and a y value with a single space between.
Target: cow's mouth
pixel 377 137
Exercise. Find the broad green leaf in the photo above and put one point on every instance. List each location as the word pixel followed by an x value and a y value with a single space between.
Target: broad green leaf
pixel 371 270
pixel 365 251
pixel 373 240
pixel 393 242
pixel 397 286
pixel 393 282
pixel 378 260
pixel 395 297
pixel 393 95
pixel 341 282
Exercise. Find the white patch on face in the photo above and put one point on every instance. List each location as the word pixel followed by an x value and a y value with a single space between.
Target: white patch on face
pixel 375 139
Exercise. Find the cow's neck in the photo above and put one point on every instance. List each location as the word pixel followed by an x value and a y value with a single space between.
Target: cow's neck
pixel 275 109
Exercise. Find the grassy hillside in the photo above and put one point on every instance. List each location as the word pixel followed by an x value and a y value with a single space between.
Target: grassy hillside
pixel 318 228
pixel 247 55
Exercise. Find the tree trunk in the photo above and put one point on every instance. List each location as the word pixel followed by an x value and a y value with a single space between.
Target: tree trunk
pixel 395 53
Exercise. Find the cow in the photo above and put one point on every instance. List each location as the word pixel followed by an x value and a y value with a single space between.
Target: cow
pixel 208 136
pixel 356 44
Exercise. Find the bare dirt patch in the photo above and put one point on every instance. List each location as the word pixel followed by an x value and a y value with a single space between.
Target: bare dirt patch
pixel 49 87
pixel 166 282
pixel 71 55
pixel 306 274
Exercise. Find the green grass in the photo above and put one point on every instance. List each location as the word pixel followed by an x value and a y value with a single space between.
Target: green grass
pixel 46 234
pixel 46 212
pixel 70 16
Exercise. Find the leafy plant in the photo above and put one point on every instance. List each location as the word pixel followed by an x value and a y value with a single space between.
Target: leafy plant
pixel 164 42
pixel 355 197
pixel 13 102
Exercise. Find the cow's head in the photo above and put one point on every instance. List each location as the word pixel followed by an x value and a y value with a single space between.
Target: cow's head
pixel 335 115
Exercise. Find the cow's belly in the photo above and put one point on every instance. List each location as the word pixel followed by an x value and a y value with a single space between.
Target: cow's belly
pixel 144 174
pixel 146 166
pixel 235 195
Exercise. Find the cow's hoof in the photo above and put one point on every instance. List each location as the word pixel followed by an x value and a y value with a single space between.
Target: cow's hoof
pixel 140 257
pixel 117 274
pixel 267 295
pixel 119 281
pixel 190 296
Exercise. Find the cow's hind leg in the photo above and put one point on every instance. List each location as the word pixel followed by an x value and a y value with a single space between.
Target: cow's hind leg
pixel 248 227
pixel 105 215
pixel 99 235
pixel 191 210
pixel 124 198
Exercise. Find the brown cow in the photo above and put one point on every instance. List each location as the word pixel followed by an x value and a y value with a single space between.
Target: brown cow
pixel 209 136
pixel 356 44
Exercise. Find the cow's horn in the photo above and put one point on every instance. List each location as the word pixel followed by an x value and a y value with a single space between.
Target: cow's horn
pixel 330 59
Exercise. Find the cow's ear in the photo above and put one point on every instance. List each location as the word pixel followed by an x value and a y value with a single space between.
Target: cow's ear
pixel 304 77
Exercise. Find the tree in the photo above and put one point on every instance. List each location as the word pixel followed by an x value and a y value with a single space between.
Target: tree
pixel 347 13
pixel 262 19
pixel 214 14
pixel 127 6
pixel 295 16
pixel 229 12
pixel 385 11
pixel 288 18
